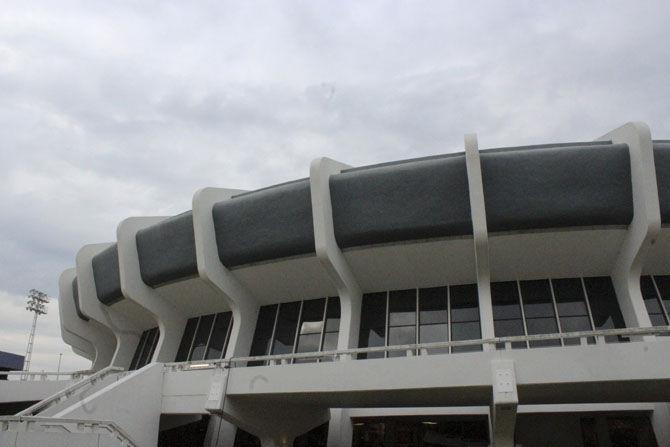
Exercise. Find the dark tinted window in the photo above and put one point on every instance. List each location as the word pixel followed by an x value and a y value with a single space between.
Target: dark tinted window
pixel 464 316
pixel 263 334
pixel 434 316
pixel 538 308
pixel 332 324
pixel 373 323
pixel 311 325
pixel 148 348
pixel 573 312
pixel 186 340
pixel 652 301
pixel 663 284
pixel 217 341
pixel 402 319
pixel 201 337
pixel 507 317
pixel 138 350
pixel 604 305
pixel 287 322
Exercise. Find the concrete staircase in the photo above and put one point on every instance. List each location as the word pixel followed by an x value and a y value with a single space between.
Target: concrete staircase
pixel 110 408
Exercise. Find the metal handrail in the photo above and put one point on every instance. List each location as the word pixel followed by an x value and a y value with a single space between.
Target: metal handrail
pixel 418 347
pixel 25 375
pixel 68 391
pixel 115 430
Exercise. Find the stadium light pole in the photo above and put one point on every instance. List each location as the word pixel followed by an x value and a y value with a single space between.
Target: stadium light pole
pixel 37 303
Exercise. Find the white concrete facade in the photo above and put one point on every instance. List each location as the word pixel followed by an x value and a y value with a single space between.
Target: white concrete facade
pixel 281 400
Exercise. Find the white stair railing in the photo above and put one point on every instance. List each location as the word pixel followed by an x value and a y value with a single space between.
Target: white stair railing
pixel 68 392
pixel 45 375
pixel 64 425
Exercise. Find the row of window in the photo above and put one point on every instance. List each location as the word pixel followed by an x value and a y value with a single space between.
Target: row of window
pixel 299 326
pixel 145 349
pixel 451 313
pixel 435 314
pixel 205 337
pixel 552 306
pixel 427 315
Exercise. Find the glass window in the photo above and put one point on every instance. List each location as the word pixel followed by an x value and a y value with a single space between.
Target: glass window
pixel 373 323
pixel 652 301
pixel 464 316
pixel 138 350
pixel 311 326
pixel 332 325
pixel 186 340
pixel 538 307
pixel 217 341
pixel 201 337
pixel 663 284
pixel 402 319
pixel 263 333
pixel 287 322
pixel 148 348
pixel 507 316
pixel 333 314
pixel 434 317
pixel 573 312
pixel 604 305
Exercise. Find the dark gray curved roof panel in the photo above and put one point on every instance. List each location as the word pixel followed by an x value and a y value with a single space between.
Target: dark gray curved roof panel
pixel 106 276
pixel 662 162
pixel 166 250
pixel 267 224
pixel 75 297
pixel 584 185
pixel 414 199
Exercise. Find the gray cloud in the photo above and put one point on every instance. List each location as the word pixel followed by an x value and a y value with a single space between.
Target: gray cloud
pixel 118 109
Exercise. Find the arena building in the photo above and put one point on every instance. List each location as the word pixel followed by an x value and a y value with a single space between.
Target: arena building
pixel 513 296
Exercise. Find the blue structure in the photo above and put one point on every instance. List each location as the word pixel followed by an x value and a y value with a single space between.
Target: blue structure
pixel 10 362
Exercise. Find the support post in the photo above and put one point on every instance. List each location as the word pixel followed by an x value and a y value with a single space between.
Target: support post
pixel 480 236
pixel 76 332
pixel 333 261
pixel 504 404
pixel 169 320
pixel 125 333
pixel 210 268
pixel 645 226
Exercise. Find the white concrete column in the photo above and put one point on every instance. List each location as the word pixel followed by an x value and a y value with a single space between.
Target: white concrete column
pixel 126 333
pixel 660 421
pixel 339 271
pixel 169 320
pixel 646 223
pixel 504 404
pixel 330 255
pixel 210 268
pixel 76 332
pixel 480 236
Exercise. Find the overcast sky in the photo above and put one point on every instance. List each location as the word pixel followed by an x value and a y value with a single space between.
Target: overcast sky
pixel 115 109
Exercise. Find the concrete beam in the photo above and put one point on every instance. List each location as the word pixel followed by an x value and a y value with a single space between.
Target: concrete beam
pixel 169 320
pixel 126 333
pixel 210 268
pixel 480 235
pixel 646 224
pixel 333 261
pixel 77 333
